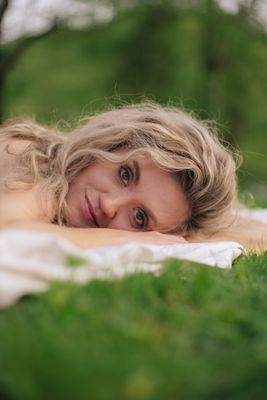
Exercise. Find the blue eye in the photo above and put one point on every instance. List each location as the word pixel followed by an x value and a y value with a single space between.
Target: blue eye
pixel 125 174
pixel 140 218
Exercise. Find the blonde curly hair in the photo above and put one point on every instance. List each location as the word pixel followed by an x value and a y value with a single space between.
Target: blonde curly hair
pixel 175 140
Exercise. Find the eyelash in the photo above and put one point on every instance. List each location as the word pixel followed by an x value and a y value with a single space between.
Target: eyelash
pixel 144 217
pixel 122 170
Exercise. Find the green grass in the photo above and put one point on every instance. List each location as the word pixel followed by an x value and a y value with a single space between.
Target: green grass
pixel 191 333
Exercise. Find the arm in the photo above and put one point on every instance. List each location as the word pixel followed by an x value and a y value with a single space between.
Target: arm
pixel 250 233
pixel 96 237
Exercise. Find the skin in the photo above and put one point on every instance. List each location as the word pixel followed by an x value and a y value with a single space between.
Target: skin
pixel 133 196
pixel 118 201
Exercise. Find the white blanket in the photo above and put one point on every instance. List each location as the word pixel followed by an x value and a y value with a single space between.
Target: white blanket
pixel 30 261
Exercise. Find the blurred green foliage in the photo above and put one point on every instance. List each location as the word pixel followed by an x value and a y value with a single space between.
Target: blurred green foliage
pixel 201 58
pixel 193 332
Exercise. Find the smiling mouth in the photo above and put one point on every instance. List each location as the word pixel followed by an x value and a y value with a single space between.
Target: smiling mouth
pixel 89 212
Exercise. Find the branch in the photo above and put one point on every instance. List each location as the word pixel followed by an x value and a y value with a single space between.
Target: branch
pixel 3 7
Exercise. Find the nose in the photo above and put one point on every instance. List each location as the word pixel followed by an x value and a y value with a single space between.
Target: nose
pixel 111 204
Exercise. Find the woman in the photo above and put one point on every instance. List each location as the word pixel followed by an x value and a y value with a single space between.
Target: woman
pixel 139 173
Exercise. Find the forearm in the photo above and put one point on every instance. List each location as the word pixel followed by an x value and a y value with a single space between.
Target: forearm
pixel 81 237
pixel 250 233
pixel 96 237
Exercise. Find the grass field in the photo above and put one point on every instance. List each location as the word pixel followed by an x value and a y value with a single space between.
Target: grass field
pixel 193 332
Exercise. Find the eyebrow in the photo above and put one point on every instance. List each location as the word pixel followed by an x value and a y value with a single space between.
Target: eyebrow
pixel 137 176
pixel 137 172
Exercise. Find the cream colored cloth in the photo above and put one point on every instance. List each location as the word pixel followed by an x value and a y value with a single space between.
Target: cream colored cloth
pixel 30 261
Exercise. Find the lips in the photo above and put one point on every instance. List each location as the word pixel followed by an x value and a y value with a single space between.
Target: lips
pixel 89 212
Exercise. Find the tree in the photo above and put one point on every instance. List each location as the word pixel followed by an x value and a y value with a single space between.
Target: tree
pixel 72 14
pixel 10 52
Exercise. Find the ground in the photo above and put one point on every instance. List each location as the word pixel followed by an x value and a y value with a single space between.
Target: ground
pixel 193 332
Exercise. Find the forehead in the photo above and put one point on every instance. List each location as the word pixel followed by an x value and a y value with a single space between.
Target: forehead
pixel 163 194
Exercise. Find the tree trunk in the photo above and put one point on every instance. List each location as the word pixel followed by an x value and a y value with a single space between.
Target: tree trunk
pixel 2 91
pixel 10 53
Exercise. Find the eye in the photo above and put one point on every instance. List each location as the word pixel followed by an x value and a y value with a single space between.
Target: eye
pixel 140 218
pixel 125 174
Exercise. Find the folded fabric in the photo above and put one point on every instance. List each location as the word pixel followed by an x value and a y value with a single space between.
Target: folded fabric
pixel 30 261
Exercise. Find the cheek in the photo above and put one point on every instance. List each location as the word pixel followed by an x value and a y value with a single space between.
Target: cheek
pixel 122 221
pixel 96 178
pixel 87 176
pixel 97 174
pixel 76 187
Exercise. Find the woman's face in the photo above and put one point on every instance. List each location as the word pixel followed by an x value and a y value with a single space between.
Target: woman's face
pixel 136 195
